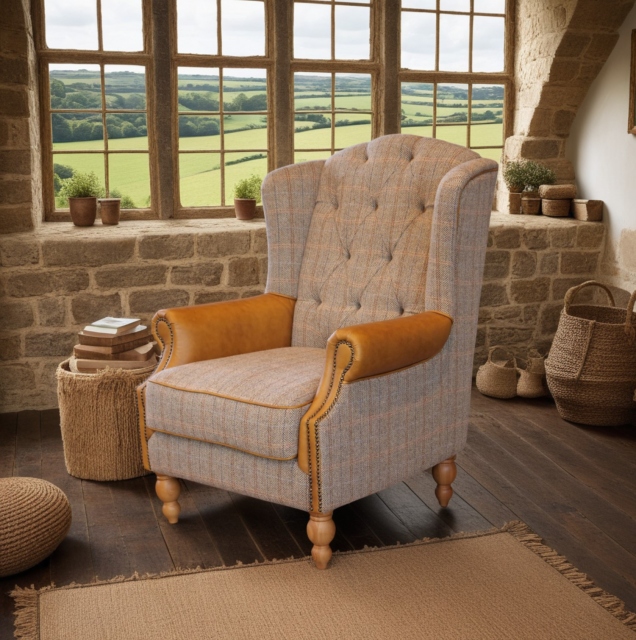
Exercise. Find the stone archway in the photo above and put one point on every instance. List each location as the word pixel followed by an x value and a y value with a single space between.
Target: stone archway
pixel 559 50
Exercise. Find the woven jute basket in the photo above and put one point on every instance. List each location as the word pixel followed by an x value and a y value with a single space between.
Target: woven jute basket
pixel 100 422
pixel 556 208
pixel 531 383
pixel 498 377
pixel 35 516
pixel 591 368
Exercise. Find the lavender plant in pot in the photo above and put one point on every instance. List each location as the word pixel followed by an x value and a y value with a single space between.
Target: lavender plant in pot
pixel 535 175
pixel 82 191
pixel 247 192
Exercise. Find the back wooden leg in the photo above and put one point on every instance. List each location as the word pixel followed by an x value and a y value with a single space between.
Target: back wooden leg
pixel 445 473
pixel 168 490
pixel 321 529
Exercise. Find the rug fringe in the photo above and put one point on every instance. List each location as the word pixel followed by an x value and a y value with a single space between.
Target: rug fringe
pixel 524 535
pixel 27 613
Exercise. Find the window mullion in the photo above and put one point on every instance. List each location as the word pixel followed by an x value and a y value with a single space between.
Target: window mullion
pixel 281 81
pixel 388 52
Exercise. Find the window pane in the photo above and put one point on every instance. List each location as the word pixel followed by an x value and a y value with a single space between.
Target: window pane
pixel 67 164
pixel 77 131
pixel 312 31
pixel 245 132
pixel 200 179
pixel 493 154
pixel 456 135
pixel 122 28
pixel 198 89
pixel 127 131
pixel 129 179
pixel 71 24
pixel 244 90
pixel 488 44
pixel 490 6
pixel 308 156
pixel 313 134
pixel 419 130
pixel 125 87
pixel 487 116
pixel 243 23
pixel 197 26
pixel 419 4
pixel 312 91
pixel 455 5
pixel 242 165
pixel 353 92
pixel 352 33
pixel 417 105
pixel 75 86
pixel 453 42
pixel 351 129
pixel 452 103
pixel 418 40
pixel 199 133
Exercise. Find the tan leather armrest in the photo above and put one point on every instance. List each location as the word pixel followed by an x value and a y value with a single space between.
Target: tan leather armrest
pixel 365 350
pixel 220 329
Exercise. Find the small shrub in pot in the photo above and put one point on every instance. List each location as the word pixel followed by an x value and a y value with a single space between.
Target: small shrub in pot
pixel 247 192
pixel 82 191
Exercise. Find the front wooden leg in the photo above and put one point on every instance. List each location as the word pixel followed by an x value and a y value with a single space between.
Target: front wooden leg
pixel 321 530
pixel 168 490
pixel 445 473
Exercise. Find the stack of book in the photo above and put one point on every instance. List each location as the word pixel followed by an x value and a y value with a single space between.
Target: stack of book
pixel 114 343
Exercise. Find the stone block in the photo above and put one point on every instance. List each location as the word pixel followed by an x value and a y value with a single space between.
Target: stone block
pixel 579 262
pixel 37 283
pixel 87 252
pixel 17 376
pixel 16 315
pixel 507 314
pixel 49 343
pixel 10 348
pixel 251 293
pixel 525 291
pixel 539 125
pixel 153 300
pixel 573 44
pixel 510 335
pixel 130 276
pixel 14 133
pixel 535 238
pixel 627 248
pixel 590 236
pixel 14 71
pixel 87 307
pixel 540 148
pixel 481 338
pixel 166 247
pixel 18 253
pixel 550 318
pixel 493 295
pixel 507 238
pixel 485 315
pixel 226 243
pixel 16 191
pixel 560 286
pixel 259 241
pixel 243 272
pixel 15 219
pixel 564 70
pixel 562 121
pixel 601 46
pixel 205 297
pixel 531 314
pixel 524 264
pixel 594 15
pixel 201 274
pixel 549 263
pixel 14 103
pixel 51 312
pixel 12 15
pixel 562 237
pixel 15 161
pixel 14 41
pixel 497 264
pixel 262 270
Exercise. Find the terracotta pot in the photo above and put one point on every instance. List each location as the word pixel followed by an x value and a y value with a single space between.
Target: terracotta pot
pixel 530 206
pixel 83 211
pixel 514 202
pixel 245 208
pixel 109 210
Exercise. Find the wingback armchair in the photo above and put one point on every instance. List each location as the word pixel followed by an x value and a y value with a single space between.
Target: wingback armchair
pixel 353 371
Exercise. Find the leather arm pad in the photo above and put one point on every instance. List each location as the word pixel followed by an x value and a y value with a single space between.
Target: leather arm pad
pixel 365 350
pixel 220 329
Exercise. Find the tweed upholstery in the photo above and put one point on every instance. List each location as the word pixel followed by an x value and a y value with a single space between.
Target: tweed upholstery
pixel 253 402
pixel 281 482
pixel 366 254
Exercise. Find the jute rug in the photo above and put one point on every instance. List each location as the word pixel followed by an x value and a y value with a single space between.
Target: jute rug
pixel 502 584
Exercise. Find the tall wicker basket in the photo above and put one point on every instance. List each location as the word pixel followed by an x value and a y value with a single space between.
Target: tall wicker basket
pixel 591 369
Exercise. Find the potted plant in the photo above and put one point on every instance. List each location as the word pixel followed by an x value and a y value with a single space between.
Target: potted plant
pixel 247 192
pixel 82 191
pixel 535 175
pixel 513 175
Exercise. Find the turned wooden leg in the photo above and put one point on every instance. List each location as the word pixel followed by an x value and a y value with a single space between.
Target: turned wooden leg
pixel 168 490
pixel 321 529
pixel 444 473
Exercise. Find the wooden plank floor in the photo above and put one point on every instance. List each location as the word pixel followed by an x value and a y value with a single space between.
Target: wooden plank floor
pixel 575 486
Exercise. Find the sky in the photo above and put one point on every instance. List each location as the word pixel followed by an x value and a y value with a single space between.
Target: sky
pixel 73 24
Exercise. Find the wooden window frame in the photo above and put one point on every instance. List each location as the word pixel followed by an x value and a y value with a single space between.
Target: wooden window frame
pixel 631 124
pixel 161 63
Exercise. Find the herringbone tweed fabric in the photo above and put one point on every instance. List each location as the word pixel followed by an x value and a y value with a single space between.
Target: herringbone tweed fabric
pixel 253 401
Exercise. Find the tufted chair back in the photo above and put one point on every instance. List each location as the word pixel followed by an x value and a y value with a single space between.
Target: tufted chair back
pixel 366 253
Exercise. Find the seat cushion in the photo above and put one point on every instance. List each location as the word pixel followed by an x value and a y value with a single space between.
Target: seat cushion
pixel 251 402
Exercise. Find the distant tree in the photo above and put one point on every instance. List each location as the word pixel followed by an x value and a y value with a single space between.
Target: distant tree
pixel 57 88
pixel 208 127
pixel 126 201
pixel 186 128
pixel 114 131
pixel 97 133
pixel 62 131
pixel 128 130
pixel 63 171
pixel 82 130
pixel 135 101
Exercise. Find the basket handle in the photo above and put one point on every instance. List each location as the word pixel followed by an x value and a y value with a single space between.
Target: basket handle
pixel 630 327
pixel 509 355
pixel 569 296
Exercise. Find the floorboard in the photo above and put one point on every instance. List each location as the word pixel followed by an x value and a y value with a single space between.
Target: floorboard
pixel 575 486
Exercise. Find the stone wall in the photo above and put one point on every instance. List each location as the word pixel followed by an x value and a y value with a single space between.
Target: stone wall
pixel 55 283
pixel 58 280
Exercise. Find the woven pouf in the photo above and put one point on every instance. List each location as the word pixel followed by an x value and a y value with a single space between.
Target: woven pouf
pixel 99 420
pixel 34 518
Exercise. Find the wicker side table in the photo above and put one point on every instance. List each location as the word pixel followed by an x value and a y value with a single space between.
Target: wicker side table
pixel 100 422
